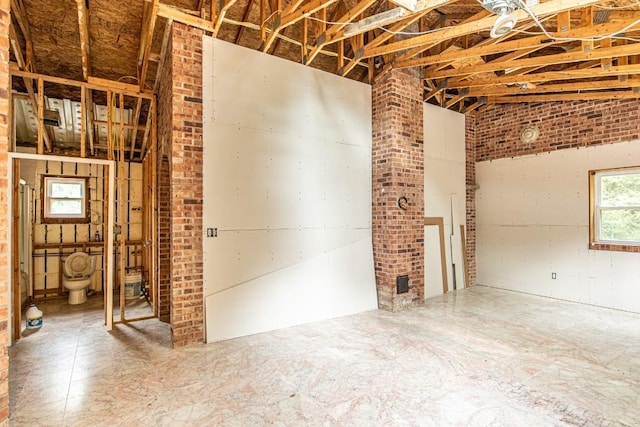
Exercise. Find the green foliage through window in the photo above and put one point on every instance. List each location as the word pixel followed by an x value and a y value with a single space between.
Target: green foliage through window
pixel 617 206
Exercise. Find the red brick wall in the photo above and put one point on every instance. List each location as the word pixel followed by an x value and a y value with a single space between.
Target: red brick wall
pixel 163 176
pixel 562 125
pixel 180 107
pixel 398 170
pixel 470 146
pixel 4 211
pixel 164 239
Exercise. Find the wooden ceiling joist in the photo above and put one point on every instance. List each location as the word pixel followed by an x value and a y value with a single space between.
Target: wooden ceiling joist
pixel 292 14
pixel 545 77
pixel 555 88
pixel 19 13
pixel 28 82
pixel 562 58
pixel 146 40
pixel 513 45
pixel 245 17
pixel 331 34
pixel 93 83
pixel 219 18
pixel 484 24
pixel 558 97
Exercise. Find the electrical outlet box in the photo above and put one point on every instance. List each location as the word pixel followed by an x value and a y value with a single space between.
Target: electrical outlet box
pixel 212 232
pixel 553 276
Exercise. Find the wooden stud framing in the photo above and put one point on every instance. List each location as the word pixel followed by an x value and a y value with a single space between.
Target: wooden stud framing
pixel 16 306
pixel 92 83
pixel 83 122
pixel 40 149
pixel 120 206
pixel 109 125
pixel 134 132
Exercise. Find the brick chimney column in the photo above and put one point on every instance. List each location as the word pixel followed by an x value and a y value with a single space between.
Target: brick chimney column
pixel 398 172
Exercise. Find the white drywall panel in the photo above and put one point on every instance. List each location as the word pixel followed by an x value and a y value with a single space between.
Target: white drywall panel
pixel 287 185
pixel 444 181
pixel 533 220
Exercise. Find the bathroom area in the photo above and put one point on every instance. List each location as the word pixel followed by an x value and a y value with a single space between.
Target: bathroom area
pixel 63 215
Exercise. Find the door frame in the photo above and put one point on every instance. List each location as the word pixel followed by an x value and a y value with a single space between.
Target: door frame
pixel 13 232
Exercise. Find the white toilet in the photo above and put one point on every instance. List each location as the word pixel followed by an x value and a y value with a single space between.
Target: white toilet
pixel 77 270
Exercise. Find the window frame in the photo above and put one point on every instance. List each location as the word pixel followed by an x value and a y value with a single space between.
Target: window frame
pixel 595 209
pixel 47 217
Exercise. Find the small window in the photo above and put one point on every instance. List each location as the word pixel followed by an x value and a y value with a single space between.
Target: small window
pixel 615 207
pixel 65 199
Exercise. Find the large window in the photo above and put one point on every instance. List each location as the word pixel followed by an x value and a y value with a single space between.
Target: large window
pixel 615 206
pixel 64 199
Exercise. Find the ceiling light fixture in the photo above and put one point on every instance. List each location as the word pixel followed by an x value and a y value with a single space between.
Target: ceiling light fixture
pixel 503 25
pixel 506 19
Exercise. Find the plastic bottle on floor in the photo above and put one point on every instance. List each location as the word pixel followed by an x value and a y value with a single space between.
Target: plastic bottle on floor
pixel 34 317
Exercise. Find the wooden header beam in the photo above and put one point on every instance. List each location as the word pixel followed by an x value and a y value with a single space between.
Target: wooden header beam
pixel 93 83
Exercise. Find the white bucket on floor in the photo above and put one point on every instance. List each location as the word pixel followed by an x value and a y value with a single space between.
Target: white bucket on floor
pixel 34 317
pixel 132 285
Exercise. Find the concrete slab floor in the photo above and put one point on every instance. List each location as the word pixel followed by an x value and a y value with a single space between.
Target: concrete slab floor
pixel 474 357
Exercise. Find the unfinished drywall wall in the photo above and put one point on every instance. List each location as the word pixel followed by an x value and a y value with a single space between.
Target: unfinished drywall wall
pixel 444 196
pixel 52 242
pixel 287 192
pixel 533 220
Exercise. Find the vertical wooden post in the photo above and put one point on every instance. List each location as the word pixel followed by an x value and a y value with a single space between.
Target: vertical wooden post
pixel 40 116
pixel 263 17
pixel 109 130
pixel 305 34
pixel 83 121
pixel 16 306
pixel 121 203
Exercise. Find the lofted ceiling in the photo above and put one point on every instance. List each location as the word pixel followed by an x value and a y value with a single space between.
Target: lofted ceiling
pixel 557 50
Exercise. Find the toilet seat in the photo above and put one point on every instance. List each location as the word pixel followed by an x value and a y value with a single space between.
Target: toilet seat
pixel 78 264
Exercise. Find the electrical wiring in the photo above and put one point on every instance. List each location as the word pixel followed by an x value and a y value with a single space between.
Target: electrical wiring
pixel 523 5
pixel 533 16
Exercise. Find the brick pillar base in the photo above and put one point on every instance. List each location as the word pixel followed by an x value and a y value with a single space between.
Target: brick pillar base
pixel 398 171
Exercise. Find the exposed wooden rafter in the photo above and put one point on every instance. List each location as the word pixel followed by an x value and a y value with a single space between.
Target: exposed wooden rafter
pixel 146 39
pixel 484 24
pixel 332 33
pixel 83 26
pixel 292 14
